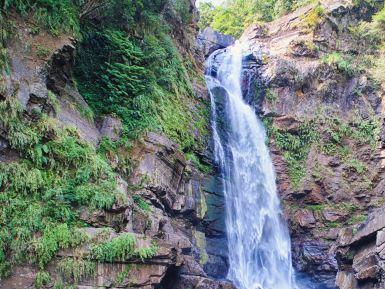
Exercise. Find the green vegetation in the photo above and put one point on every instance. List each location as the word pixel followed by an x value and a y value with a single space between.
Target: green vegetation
pixel 378 29
pixel 53 101
pixel 337 132
pixel 295 147
pixel 204 168
pixel 76 269
pixel 55 16
pixel 332 136
pixel 42 52
pixel 42 278
pixel 236 15
pixel 122 275
pixel 271 96
pixel 144 82
pixel 141 203
pixel 344 63
pixel 372 36
pixel 315 208
pixel 313 18
pixel 136 74
pixel 53 239
pixel 121 248
pixel 127 66
pixel 42 192
pixel 379 19
pixel 356 165
pixel 357 219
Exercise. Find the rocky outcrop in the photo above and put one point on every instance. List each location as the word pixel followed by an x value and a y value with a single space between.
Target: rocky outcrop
pixel 361 255
pixel 189 201
pixel 211 40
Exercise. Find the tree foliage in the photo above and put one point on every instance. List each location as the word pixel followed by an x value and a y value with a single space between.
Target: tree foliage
pixel 236 15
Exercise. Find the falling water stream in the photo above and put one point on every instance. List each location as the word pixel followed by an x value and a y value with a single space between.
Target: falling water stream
pixel 258 239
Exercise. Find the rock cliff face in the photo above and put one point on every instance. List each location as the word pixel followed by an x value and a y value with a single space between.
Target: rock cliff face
pixel 329 174
pixel 167 202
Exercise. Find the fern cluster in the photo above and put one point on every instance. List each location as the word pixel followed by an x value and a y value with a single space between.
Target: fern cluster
pixel 41 194
pixel 140 75
pixel 296 147
pixel 122 248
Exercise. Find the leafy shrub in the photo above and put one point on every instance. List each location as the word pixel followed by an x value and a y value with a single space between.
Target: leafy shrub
pixel 42 52
pixel 344 63
pixel 356 165
pixel 204 168
pixel 206 15
pixel 53 239
pixel 143 80
pixel 119 249
pixel 235 16
pixel 368 34
pixel 146 253
pixel 123 274
pixel 357 219
pixel 337 132
pixel 378 69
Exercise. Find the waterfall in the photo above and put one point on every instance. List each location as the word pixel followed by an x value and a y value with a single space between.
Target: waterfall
pixel 258 239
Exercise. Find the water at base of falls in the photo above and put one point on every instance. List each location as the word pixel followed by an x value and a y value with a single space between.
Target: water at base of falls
pixel 258 239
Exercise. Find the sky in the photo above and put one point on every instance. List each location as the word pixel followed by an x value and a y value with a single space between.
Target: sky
pixel 215 2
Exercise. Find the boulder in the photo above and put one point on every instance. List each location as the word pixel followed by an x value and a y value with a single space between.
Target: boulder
pixel 305 218
pixel 211 40
pixel 375 223
pixel 196 282
pixel 346 280
pixel 111 128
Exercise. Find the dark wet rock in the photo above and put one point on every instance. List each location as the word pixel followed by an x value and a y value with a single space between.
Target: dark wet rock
pixel 215 218
pixel 3 144
pixel 314 258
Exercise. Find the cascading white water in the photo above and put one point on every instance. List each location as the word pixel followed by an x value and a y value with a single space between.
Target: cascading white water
pixel 258 239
